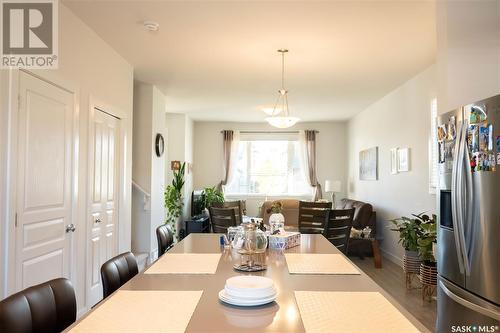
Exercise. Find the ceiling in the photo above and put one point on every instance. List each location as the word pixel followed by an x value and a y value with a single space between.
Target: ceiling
pixel 218 61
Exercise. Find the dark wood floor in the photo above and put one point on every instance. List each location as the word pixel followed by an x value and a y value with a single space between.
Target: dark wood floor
pixel 391 278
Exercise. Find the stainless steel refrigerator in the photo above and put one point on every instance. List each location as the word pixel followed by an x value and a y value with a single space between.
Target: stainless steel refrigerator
pixel 469 218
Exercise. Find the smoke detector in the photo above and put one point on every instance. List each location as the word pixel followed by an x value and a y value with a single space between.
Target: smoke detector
pixel 151 25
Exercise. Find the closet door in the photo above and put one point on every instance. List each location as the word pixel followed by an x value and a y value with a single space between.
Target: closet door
pixel 44 226
pixel 103 217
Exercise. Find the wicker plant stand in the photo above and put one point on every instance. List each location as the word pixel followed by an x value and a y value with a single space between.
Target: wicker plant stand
pixel 428 278
pixel 411 267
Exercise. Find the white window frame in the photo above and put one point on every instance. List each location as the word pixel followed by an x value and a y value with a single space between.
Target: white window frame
pixel 433 148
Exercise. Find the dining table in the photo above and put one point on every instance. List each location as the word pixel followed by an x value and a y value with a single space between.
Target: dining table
pixel 282 315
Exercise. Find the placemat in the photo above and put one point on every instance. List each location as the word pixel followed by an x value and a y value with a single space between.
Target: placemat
pixel 355 312
pixel 314 263
pixel 142 311
pixel 185 263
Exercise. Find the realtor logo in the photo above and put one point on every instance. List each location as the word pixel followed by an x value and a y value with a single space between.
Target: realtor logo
pixel 29 33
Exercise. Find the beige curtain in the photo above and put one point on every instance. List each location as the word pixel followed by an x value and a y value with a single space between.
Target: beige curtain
pixel 230 141
pixel 308 161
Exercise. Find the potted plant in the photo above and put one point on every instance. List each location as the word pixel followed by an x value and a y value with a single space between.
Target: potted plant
pixel 409 233
pixel 276 219
pixel 426 241
pixel 211 196
pixel 174 200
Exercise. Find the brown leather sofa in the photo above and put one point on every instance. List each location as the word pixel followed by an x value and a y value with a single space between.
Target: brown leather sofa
pixel 290 211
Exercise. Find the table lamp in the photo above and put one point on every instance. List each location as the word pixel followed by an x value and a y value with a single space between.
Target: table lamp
pixel 332 187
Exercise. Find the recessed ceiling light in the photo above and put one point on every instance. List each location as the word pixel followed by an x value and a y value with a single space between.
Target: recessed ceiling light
pixel 151 25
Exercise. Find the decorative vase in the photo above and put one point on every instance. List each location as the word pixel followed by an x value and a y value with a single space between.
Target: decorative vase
pixel 428 278
pixel 277 222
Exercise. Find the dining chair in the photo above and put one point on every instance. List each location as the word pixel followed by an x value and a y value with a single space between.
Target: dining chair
pixel 236 205
pixel 338 227
pixel 47 307
pixel 165 238
pixel 312 216
pixel 221 219
pixel 117 271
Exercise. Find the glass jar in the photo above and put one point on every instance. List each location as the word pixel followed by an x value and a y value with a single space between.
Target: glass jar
pixel 254 240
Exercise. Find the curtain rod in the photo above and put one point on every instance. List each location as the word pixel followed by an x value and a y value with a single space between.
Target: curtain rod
pixel 271 132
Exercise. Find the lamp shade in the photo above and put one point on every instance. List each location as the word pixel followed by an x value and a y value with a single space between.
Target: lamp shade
pixel 333 186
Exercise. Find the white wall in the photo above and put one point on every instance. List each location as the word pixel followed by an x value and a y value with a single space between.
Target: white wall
pixel 468 58
pixel 149 170
pixel 400 119
pixel 94 71
pixel 180 148
pixel 330 152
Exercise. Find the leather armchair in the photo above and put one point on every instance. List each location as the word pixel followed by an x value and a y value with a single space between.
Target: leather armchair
pixel 48 307
pixel 117 271
pixel 364 216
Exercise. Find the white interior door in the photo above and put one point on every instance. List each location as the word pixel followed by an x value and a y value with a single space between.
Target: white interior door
pixel 44 225
pixel 103 218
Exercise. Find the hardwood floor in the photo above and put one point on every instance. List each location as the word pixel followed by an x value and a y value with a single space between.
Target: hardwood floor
pixel 391 278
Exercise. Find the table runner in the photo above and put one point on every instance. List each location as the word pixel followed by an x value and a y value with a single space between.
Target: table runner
pixel 314 263
pixel 142 311
pixel 185 263
pixel 346 312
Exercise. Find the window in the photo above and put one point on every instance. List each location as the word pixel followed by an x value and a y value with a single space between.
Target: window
pixel 433 151
pixel 268 166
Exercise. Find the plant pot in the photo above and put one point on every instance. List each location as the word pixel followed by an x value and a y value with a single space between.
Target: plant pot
pixel 411 262
pixel 428 273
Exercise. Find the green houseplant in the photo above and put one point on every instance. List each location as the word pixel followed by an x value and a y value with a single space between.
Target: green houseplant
pixel 173 198
pixel 427 238
pixel 211 196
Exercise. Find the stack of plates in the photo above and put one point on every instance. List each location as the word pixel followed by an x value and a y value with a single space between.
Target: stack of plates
pixel 248 291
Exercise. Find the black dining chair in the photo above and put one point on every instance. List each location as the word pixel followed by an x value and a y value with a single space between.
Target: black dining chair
pixel 312 216
pixel 237 205
pixel 338 227
pixel 117 271
pixel 221 219
pixel 165 238
pixel 48 307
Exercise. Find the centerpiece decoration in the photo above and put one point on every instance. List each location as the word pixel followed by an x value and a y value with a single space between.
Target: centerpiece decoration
pixel 276 219
pixel 251 243
pixel 174 199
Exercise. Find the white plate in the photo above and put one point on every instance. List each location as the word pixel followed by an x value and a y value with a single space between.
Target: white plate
pixel 249 282
pixel 250 296
pixel 240 302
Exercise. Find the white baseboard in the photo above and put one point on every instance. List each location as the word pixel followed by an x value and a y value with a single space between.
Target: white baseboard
pixel 393 258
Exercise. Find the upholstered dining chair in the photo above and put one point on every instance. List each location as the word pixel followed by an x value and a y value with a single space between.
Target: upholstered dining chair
pixel 221 219
pixel 117 271
pixel 47 307
pixel 165 238
pixel 237 205
pixel 312 216
pixel 338 227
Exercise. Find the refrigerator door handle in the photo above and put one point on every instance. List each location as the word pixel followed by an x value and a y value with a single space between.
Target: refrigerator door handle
pixel 454 199
pixel 462 203
pixel 462 301
pixel 469 194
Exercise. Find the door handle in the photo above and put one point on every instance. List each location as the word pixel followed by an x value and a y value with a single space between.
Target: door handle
pixel 455 184
pixel 462 301
pixel 98 220
pixel 70 228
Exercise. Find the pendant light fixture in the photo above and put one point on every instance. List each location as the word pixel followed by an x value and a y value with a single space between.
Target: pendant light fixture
pixel 280 115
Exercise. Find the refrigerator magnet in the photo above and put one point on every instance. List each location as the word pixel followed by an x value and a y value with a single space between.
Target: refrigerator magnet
pixel 498 158
pixel 498 143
